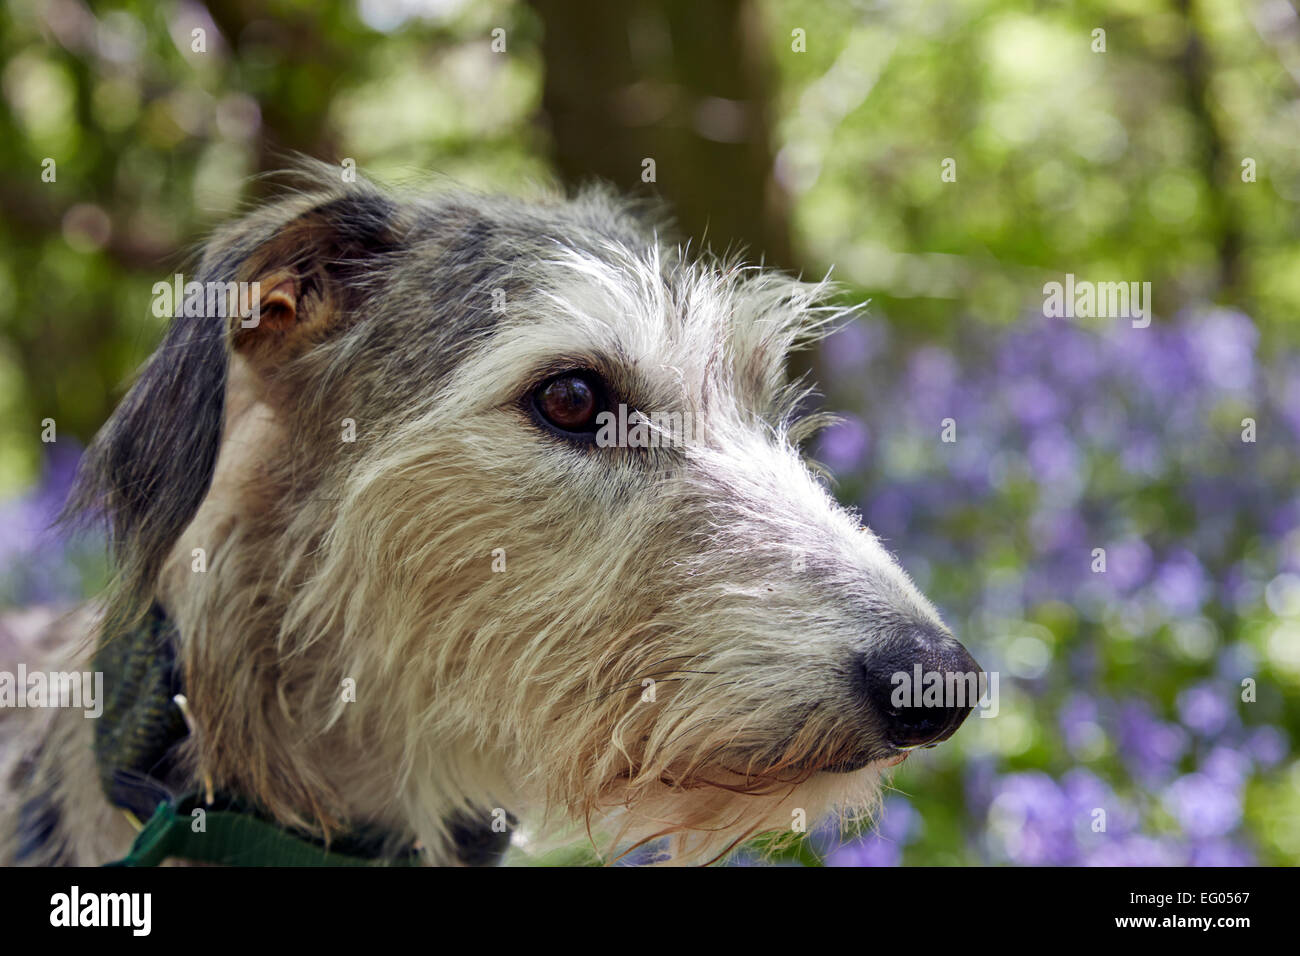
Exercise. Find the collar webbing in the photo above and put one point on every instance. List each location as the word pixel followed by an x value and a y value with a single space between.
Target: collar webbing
pixel 134 740
pixel 186 830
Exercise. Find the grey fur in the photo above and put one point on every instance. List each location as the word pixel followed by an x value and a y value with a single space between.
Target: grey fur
pixel 429 322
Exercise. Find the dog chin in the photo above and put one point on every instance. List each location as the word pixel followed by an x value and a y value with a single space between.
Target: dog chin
pixel 877 762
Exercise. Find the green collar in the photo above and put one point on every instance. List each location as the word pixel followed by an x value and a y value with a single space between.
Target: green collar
pixel 187 830
pixel 134 744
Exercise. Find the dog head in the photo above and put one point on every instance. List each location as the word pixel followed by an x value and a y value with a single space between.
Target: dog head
pixel 489 504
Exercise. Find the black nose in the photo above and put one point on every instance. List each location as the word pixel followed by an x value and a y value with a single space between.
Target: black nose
pixel 921 684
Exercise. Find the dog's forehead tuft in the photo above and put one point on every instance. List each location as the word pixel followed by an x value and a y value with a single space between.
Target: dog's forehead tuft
pixel 507 229
pixel 718 321
pixel 444 274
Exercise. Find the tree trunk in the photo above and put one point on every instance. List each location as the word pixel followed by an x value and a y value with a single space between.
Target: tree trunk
pixel 681 83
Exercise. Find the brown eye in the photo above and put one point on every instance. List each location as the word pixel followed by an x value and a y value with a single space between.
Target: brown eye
pixel 570 402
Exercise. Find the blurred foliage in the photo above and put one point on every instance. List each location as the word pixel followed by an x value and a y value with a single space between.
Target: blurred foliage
pixel 1121 684
pixel 155 143
pixel 1118 164
pixel 1122 165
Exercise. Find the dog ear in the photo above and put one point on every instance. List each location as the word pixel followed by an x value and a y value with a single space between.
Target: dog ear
pixel 147 470
pixel 308 278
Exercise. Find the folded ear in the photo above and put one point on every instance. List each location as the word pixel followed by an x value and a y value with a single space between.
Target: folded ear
pixel 307 278
pixel 148 469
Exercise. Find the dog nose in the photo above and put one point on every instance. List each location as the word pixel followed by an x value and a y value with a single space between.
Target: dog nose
pixel 922 685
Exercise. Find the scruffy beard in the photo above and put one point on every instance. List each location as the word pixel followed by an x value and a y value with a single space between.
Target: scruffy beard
pixel 473 699
pixel 703 769
pixel 704 821
pixel 483 690
pixel 351 652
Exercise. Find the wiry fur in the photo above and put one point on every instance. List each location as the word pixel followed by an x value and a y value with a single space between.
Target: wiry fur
pixel 722 570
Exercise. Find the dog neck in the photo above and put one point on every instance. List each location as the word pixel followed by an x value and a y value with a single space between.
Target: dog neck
pixel 257 734
pixel 144 722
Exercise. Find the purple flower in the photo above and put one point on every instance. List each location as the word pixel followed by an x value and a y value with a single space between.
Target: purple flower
pixel 1141 456
pixel 1031 821
pixel 33 551
pixel 897 826
pixel 1088 793
pixel 1283 519
pixel 1204 709
pixel 979 783
pixel 1085 790
pixel 1268 746
pixel 844 445
pixel 867 851
pixel 1128 563
pixel 1152 360
pixel 1237 661
pixel 1034 403
pixel 1058 530
pixel 1239 591
pixel 1078 719
pixel 1289 397
pixel 1054 458
pixel 931 381
pixel 1139 850
pixel 1227 767
pixel 1203 806
pixel 1070 439
pixel 899 822
pixel 933 367
pixel 1151 747
pixel 1075 356
pixel 1222 344
pixel 1180 584
pixel 848 351
pixel 890 512
pixel 1221 853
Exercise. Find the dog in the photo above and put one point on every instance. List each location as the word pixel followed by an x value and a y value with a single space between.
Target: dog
pixel 410 542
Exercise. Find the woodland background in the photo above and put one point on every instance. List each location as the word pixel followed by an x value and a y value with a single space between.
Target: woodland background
pixel 813 133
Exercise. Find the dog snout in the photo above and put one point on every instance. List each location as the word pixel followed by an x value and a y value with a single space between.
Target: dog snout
pixel 921 686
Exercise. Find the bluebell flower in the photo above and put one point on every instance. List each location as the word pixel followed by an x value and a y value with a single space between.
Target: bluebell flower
pixel 868 850
pixel 1128 563
pixel 1139 850
pixel 1222 345
pixel 1031 821
pixel 846 352
pixel 844 445
pixel 897 825
pixel 1227 766
pixel 1151 748
pixel 1205 709
pixel 1268 746
pixel 1221 852
pixel 1180 584
pixel 1203 806
pixel 34 565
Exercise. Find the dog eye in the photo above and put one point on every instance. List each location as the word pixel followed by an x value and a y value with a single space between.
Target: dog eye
pixel 570 402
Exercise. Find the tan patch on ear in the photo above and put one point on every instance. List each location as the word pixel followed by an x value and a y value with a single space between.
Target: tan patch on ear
pixel 295 296
pixel 280 316
pixel 279 307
